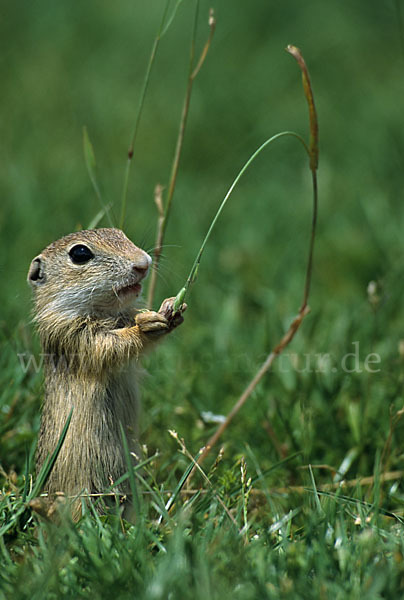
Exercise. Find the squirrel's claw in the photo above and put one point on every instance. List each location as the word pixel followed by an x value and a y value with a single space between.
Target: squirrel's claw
pixel 158 323
pixel 166 309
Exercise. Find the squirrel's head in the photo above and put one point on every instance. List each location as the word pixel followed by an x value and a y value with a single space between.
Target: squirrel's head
pixel 91 272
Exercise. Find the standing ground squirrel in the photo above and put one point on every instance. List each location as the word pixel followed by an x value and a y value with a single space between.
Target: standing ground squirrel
pixel 85 286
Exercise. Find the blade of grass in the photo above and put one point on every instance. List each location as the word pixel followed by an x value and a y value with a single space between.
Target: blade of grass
pixel 181 484
pixel 157 501
pixel 195 465
pixel 245 493
pixel 312 150
pixel 171 18
pixel 263 474
pixel 132 482
pixel 44 473
pixel 274 528
pixel 26 475
pixel 50 461
pixel 162 30
pixel 164 214
pixel 179 300
pixel 355 502
pixel 135 468
pixel 314 490
pixel 91 165
pixel 100 215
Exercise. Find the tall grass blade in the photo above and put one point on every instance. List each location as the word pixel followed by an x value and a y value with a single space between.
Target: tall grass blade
pixel 179 300
pixel 91 165
pixel 132 481
pixel 50 461
pixel 163 27
pixel 40 482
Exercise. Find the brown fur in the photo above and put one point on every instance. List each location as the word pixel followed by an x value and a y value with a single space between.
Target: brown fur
pixel 92 336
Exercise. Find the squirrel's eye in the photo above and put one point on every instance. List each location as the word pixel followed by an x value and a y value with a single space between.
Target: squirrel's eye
pixel 80 254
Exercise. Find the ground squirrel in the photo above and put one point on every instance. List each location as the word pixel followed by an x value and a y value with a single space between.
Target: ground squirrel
pixel 85 287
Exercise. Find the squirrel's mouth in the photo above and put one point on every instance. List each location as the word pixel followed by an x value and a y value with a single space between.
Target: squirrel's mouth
pixel 134 288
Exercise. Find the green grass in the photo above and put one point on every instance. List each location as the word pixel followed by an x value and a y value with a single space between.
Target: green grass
pixel 65 66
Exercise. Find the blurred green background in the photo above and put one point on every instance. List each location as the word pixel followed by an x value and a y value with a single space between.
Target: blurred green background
pixel 66 64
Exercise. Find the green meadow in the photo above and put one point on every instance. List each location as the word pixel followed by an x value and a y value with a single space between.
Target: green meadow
pixel 303 495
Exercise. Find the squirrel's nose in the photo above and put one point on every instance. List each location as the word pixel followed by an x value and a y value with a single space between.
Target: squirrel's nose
pixel 141 271
pixel 141 266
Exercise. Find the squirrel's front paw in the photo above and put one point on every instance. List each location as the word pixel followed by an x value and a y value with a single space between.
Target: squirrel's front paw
pixel 152 323
pixel 166 310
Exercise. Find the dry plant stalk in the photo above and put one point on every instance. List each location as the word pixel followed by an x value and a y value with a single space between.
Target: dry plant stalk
pixel 304 309
pixel 345 483
pixel 394 419
pixel 162 29
pixel 300 489
pixel 186 453
pixel 326 487
pixel 164 211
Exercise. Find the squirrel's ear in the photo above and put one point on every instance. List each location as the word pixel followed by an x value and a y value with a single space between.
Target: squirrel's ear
pixel 36 273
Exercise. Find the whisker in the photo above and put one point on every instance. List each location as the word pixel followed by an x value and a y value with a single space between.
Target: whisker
pixel 144 237
pixel 162 277
pixel 115 292
pixel 91 295
pixel 169 276
pixel 153 248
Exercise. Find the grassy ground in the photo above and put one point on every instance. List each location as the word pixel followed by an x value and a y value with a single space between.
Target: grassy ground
pixel 331 409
